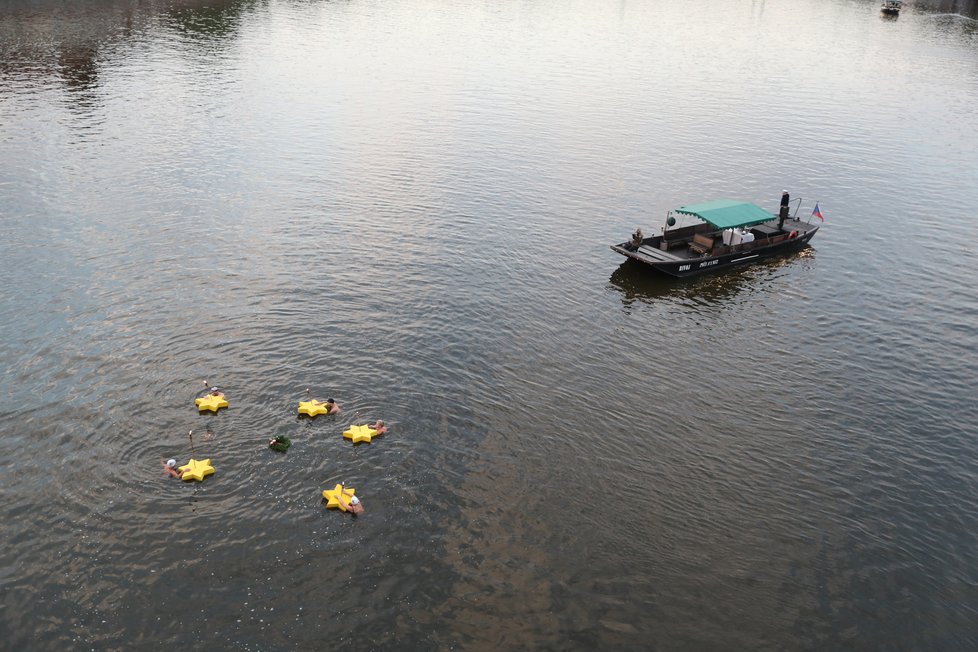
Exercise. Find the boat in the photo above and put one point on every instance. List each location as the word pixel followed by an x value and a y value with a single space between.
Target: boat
pixel 891 6
pixel 724 233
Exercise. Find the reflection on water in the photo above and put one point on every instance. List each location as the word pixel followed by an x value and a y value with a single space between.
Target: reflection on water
pixel 209 19
pixel 957 17
pixel 637 282
pixel 70 40
pixel 961 8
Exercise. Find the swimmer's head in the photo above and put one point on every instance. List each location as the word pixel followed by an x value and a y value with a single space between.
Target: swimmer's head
pixel 329 400
pixel 214 389
pixel 380 422
pixel 171 462
pixel 354 500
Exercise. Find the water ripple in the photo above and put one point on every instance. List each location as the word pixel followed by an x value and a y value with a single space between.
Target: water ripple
pixel 408 208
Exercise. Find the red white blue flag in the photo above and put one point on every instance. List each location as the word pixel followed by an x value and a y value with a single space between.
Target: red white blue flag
pixel 817 213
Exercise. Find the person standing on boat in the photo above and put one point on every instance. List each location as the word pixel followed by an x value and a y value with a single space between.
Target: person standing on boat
pixel 783 215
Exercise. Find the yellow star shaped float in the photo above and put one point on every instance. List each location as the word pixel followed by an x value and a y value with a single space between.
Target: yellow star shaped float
pixel 196 470
pixel 312 408
pixel 333 495
pixel 211 402
pixel 360 433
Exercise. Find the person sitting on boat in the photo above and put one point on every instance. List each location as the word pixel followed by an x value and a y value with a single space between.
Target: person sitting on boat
pixel 783 215
pixel 637 239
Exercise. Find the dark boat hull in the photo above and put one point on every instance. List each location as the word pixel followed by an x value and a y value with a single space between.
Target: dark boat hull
pixel 693 266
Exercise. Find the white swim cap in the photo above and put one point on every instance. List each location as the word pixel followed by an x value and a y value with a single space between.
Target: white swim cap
pixel 354 500
pixel 213 389
pixel 171 462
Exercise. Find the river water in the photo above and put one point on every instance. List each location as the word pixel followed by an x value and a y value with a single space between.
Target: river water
pixel 408 206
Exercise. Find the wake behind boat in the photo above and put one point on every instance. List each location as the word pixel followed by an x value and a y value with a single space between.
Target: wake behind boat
pixel 725 233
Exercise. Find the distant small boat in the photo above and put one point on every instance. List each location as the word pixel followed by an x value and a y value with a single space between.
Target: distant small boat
pixel 725 233
pixel 891 6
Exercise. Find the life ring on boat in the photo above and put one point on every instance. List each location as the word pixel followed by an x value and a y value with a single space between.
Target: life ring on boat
pixel 793 234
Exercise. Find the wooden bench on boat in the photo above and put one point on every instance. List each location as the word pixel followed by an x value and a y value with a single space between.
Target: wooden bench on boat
pixel 702 244
pixel 675 238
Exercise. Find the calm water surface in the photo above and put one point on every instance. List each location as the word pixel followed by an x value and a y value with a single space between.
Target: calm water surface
pixel 408 206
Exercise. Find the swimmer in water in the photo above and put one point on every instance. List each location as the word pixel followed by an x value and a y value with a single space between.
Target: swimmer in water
pixel 354 506
pixel 379 427
pixel 170 468
pixel 213 391
pixel 332 407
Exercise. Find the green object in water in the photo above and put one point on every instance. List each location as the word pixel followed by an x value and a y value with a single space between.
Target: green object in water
pixel 280 444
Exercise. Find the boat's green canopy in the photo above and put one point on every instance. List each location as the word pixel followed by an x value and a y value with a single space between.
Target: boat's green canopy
pixel 727 213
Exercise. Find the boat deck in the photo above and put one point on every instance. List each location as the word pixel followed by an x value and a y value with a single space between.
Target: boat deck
pixel 651 252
